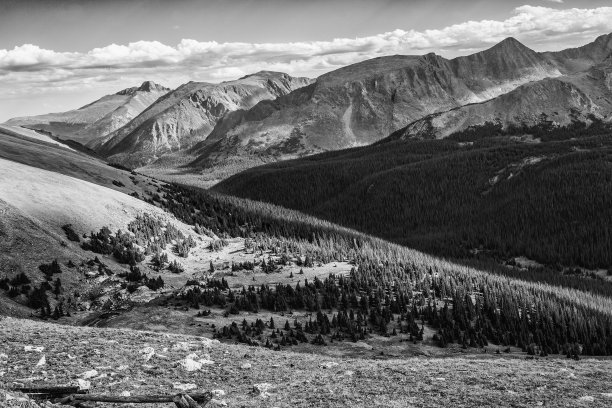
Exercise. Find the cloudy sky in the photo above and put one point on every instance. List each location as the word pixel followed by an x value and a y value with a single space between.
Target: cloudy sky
pixel 57 55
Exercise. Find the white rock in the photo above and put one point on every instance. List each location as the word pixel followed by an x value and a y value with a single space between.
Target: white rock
pixel 189 364
pixel 184 387
pixel 3 356
pixel 182 346
pixel 586 398
pixel 147 353
pixel 89 374
pixel 262 389
pixel 606 394
pixel 246 366
pixel 37 349
pixel 125 394
pixel 42 361
pixel 83 384
pixel 217 403
pixel 209 343
pixel 329 364
pixel 122 368
pixel 218 393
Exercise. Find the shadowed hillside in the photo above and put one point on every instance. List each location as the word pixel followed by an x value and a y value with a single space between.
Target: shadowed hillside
pixel 504 195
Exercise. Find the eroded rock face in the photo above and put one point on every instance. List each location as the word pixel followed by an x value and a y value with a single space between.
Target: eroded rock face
pixel 559 101
pixel 365 102
pixel 189 113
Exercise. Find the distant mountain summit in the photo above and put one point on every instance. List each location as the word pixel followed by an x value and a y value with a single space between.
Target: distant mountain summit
pixel 97 119
pixel 188 114
pixel 147 86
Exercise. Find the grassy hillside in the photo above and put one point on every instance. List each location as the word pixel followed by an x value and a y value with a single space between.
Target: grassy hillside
pixel 500 196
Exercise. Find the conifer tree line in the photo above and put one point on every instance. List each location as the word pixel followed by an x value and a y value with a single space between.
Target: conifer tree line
pixel 475 192
pixel 464 305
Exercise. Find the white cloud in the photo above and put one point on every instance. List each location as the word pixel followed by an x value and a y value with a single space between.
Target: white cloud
pixel 29 68
pixel 554 1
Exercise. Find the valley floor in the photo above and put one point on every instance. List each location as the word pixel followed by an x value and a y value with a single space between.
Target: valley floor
pixel 119 358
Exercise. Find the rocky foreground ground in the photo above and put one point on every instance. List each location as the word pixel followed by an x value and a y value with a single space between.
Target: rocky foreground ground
pixel 126 362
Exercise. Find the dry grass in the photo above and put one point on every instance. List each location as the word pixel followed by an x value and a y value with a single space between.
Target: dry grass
pixel 298 379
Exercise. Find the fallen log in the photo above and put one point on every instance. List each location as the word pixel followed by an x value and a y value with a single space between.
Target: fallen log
pixel 49 392
pixel 180 400
pixel 54 389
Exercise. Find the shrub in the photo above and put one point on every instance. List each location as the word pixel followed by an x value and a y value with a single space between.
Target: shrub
pixel 70 234
pixel 175 267
pixel 20 279
pixel 50 269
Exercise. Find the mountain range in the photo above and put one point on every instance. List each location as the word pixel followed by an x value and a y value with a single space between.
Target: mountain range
pixel 225 128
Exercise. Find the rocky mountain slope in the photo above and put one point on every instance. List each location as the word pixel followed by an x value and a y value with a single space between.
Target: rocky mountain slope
pixel 557 101
pixel 188 114
pixel 97 119
pixel 364 102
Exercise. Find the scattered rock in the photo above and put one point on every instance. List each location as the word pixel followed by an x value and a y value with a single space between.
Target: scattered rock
pixel 246 366
pixel 262 389
pixel 83 384
pixel 218 393
pixel 190 364
pixel 125 394
pixel 89 374
pixel 329 364
pixel 37 349
pixel 147 353
pixel 181 346
pixel 184 387
pixel 209 343
pixel 42 361
pixel 122 368
pixel 586 398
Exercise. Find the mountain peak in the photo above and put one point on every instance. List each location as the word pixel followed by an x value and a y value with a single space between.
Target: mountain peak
pixel 146 86
pixel 604 41
pixel 510 44
pixel 150 86
pixel 264 74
